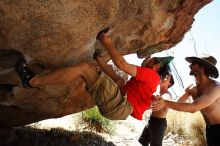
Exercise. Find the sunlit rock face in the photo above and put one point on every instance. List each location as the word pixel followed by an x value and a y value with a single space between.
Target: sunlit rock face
pixel 55 33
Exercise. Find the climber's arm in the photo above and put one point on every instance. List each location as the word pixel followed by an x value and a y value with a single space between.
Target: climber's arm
pixel 117 58
pixel 107 69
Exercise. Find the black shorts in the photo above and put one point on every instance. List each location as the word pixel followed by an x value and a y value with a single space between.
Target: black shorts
pixel 213 135
pixel 153 133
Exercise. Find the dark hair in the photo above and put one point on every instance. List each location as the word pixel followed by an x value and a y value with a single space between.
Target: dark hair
pixel 164 71
pixel 172 82
pixel 207 71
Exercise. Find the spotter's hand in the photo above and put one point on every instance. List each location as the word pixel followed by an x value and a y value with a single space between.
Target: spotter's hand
pixel 158 104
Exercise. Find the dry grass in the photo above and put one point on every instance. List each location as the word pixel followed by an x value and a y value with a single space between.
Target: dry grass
pixel 92 120
pixel 189 126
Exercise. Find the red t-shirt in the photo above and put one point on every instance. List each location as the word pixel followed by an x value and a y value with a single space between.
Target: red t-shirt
pixel 139 90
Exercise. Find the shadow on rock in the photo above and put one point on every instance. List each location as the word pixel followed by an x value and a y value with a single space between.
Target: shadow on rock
pixel 28 136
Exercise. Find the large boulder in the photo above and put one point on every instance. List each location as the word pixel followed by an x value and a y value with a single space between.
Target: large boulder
pixel 54 34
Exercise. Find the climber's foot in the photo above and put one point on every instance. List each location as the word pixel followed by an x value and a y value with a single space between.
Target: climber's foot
pixel 24 72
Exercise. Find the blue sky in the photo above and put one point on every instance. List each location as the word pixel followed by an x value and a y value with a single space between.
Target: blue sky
pixel 205 34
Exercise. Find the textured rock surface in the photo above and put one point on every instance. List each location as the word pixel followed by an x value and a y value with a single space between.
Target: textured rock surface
pixel 56 33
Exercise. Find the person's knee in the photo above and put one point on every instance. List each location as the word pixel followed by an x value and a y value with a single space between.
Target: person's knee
pixel 86 67
pixel 80 67
pixel 83 69
pixel 75 71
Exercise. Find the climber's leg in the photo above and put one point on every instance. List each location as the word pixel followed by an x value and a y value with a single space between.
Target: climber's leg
pixel 67 76
pixel 59 77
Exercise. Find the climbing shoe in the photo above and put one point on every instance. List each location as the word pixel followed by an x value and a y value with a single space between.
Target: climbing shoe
pixel 25 72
